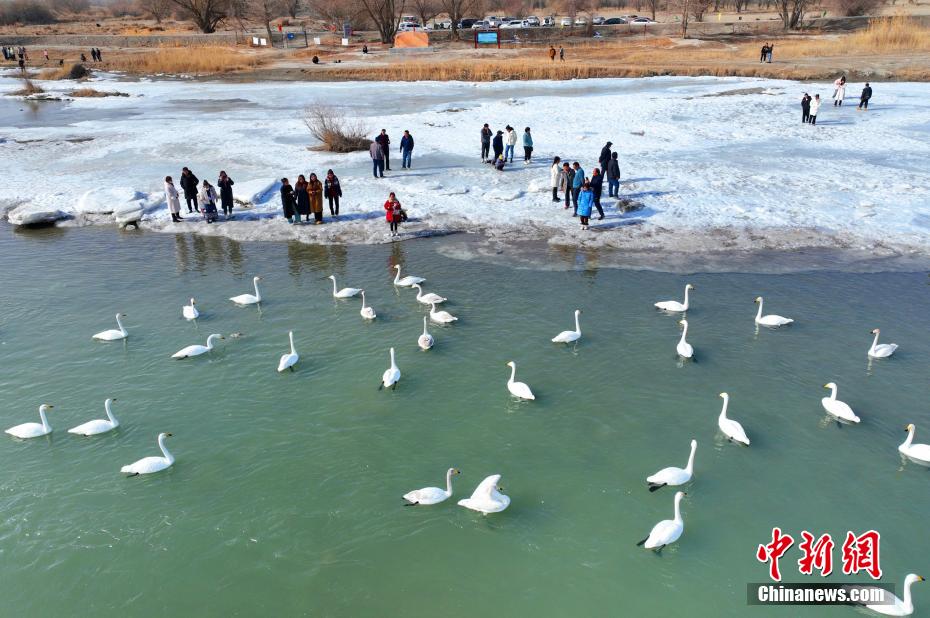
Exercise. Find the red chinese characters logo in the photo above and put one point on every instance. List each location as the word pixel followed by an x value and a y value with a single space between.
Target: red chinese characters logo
pixel 771 552
pixel 860 553
pixel 817 554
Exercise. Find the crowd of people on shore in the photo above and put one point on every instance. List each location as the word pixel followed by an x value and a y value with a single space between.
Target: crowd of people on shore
pixel 810 106
pixel 504 146
pixel 20 55
pixel 583 193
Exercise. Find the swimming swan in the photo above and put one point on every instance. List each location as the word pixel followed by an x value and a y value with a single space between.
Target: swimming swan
pixel 249 299
pixel 197 350
pixel 518 389
pixel 673 305
pixel 899 607
pixel 391 376
pixel 344 292
pixel 428 299
pixel 771 319
pixel 666 531
pixel 113 334
pixel 685 350
pixel 425 341
pixel 289 360
pixel 431 495
pixel 441 317
pixel 730 428
pixel 94 427
pixel 915 452
pixel 837 408
pixel 190 311
pixel 568 336
pixel 407 281
pixel 149 465
pixel 487 498
pixel 33 430
pixel 881 350
pixel 673 476
pixel 367 312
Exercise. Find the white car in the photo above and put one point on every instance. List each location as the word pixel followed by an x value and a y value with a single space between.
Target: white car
pixel 515 23
pixel 494 22
pixel 548 22
pixel 533 21
pixel 642 20
pixel 407 26
pixel 481 25
pixel 597 21
pixel 566 21
pixel 581 21
pixel 445 24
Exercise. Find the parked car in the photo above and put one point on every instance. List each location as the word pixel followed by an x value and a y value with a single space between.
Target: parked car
pixel 493 21
pixel 481 25
pixel 642 20
pixel 443 24
pixel 409 19
pixel 566 21
pixel 597 21
pixel 515 23
pixel 467 23
pixel 533 21
pixel 614 21
pixel 408 26
pixel 581 21
pixel 548 22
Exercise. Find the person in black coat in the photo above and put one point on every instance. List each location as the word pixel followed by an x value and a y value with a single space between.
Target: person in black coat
pixel 303 198
pixel 189 185
pixel 225 183
pixel 865 96
pixel 597 186
pixel 287 200
pixel 485 142
pixel 498 145
pixel 332 191
pixel 805 108
pixel 604 159
pixel 385 142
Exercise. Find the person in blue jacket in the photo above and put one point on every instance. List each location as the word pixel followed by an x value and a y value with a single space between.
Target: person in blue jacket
pixel 585 203
pixel 527 146
pixel 406 148
pixel 577 183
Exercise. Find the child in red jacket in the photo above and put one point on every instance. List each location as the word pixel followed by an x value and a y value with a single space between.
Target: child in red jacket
pixel 394 213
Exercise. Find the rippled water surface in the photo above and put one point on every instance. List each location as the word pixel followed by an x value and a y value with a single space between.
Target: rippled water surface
pixel 285 498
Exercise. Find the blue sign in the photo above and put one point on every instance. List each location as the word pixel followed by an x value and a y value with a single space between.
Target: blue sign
pixel 487 37
pixel 290 35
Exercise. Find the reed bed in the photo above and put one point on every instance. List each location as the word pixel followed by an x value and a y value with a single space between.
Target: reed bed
pixel 175 60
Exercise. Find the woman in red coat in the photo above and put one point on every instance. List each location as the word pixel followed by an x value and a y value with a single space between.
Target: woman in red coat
pixel 394 213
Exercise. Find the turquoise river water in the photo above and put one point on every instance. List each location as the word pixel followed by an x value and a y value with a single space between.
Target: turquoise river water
pixel 286 496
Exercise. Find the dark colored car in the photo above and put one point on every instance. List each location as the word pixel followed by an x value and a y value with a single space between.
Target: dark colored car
pixel 615 21
pixel 465 24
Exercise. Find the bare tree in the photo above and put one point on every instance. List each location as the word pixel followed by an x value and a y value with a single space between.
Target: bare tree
pixel 291 7
pixel 458 10
pixel 426 9
pixel 791 12
pixel 264 11
pixel 699 8
pixel 685 7
pixel 156 9
pixel 653 7
pixel 386 16
pixel 206 14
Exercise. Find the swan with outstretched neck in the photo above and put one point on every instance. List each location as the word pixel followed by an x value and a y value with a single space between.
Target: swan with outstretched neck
pixel 114 334
pixel 391 376
pixel 98 426
pixel 666 531
pixel 441 317
pixel 367 312
pixel 837 408
pixel 919 453
pixel 150 465
pixel 344 292
pixel 425 341
pixel 33 430
pixel 518 389
pixel 290 359
pixel 771 319
pixel 407 281
pixel 730 428
pixel 673 476
pixel 673 305
pixel 249 299
pixel 197 350
pixel 881 350
pixel 684 349
pixel 569 336
pixel 899 607
pixel 429 298
pixel 487 497
pixel 190 311
pixel 431 495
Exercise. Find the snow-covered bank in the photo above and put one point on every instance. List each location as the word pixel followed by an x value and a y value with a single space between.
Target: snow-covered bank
pixel 715 164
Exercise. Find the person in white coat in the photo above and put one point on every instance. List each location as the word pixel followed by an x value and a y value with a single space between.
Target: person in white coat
pixel 840 92
pixel 815 107
pixel 173 199
pixel 510 142
pixel 555 178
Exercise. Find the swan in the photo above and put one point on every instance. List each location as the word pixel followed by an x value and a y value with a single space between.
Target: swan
pixel 915 452
pixel 878 350
pixel 391 376
pixel 568 336
pixel 672 475
pixel 685 350
pixel 367 312
pixel 149 465
pixel 249 299
pixel 730 428
pixel 673 305
pixel 92 428
pixel 425 341
pixel 428 299
pixel 197 350
pixel 899 607
pixel 771 319
pixel 431 495
pixel 518 389
pixel 113 334
pixel 190 311
pixel 441 317
pixel 406 282
pixel 487 498
pixel 33 430
pixel 344 292
pixel 666 531
pixel 289 360
pixel 837 408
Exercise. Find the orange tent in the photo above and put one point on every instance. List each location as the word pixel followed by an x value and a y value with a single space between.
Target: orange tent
pixel 411 39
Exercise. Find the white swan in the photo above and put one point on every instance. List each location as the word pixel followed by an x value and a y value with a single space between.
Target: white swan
pixel 33 430
pixel 197 350
pixel 685 350
pixel 431 495
pixel 673 476
pixel 289 360
pixel 441 317
pixel 730 428
pixel 673 305
pixel 425 341
pixel 771 319
pixel 518 389
pixel 391 376
pixel 487 498
pixel 899 607
pixel 666 531
pixel 92 428
pixel 190 311
pixel 249 299
pixel 915 452
pixel 428 299
pixel 568 336
pixel 148 465
pixel 407 281
pixel 344 292
pixel 367 312
pixel 881 350
pixel 837 408
pixel 114 334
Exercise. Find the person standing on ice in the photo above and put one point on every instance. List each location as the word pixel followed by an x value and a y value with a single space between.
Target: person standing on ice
pixel 864 97
pixel 385 142
pixel 377 159
pixel 225 183
pixel 577 182
pixel 815 107
pixel 604 159
pixel 485 142
pixel 406 149
pixel 527 146
pixel 597 187
pixel 174 201
pixel 189 185
pixel 332 191
pixel 568 177
pixel 287 201
pixel 555 178
pixel 208 201
pixel 613 176
pixel 303 199
pixel 315 190
pixel 840 93
pixel 511 143
pixel 805 108
pixel 585 201
pixel 498 145
pixel 394 213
